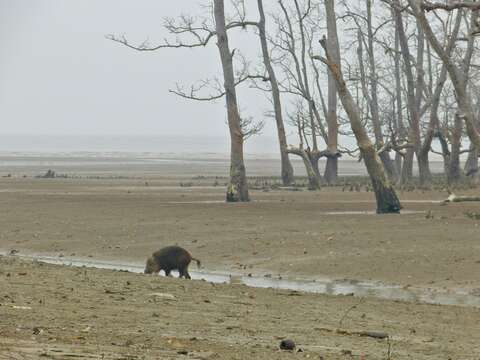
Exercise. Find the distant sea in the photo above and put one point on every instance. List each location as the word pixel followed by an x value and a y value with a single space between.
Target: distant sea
pixel 160 154
pixel 173 144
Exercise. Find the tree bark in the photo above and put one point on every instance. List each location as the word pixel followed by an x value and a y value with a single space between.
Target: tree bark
pixel 424 167
pixel 407 168
pixel 237 189
pixel 400 128
pixel 389 166
pixel 445 151
pixel 314 160
pixel 454 171
pixel 471 165
pixel 331 168
pixel 313 179
pixel 434 124
pixel 421 149
pixel 330 175
pixel 286 166
pixel 398 163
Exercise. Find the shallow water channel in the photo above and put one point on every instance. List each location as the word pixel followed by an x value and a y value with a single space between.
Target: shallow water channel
pixel 320 286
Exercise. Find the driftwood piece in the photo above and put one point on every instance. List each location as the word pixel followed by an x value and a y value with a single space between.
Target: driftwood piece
pixel 372 334
pixel 454 198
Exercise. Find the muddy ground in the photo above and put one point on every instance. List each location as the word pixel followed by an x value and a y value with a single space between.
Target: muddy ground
pixel 287 233
pixel 59 312
pixel 55 312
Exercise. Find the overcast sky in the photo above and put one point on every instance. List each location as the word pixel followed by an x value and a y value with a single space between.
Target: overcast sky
pixel 59 75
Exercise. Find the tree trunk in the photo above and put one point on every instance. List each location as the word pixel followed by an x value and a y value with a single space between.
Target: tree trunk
pixel 316 169
pixel 471 165
pixel 331 168
pixel 398 163
pixel 330 175
pixel 400 128
pixel 237 189
pixel 445 153
pixel 407 168
pixel 389 166
pixel 454 171
pixel 414 93
pixel 313 179
pixel 434 123
pixel 424 167
pixel 420 151
pixel 387 200
pixel 314 182
pixel 286 169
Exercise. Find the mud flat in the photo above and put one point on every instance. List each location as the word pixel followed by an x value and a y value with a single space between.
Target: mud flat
pixel 58 312
pixel 330 238
pixel 293 234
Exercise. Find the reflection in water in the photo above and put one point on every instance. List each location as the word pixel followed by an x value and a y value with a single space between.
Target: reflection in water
pixel 323 286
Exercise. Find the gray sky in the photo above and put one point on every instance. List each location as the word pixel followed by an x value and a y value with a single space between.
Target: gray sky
pixel 59 75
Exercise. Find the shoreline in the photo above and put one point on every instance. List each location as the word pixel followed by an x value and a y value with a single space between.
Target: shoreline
pixel 316 285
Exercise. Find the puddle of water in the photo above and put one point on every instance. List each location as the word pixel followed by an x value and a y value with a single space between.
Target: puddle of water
pixel 197 202
pixel 366 212
pixel 277 201
pixel 319 286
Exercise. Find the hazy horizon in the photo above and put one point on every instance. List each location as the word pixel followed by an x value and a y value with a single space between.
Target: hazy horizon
pixel 179 144
pixel 154 143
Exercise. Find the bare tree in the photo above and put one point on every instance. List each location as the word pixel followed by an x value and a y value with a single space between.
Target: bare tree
pixel 452 5
pixel 458 72
pixel 331 169
pixel 287 169
pixel 202 34
pixel 414 97
pixel 293 42
pixel 399 127
pixel 298 26
pixel 301 120
pixel 387 200
pixel 237 189
pixel 372 96
pixel 471 165
pixel 430 66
